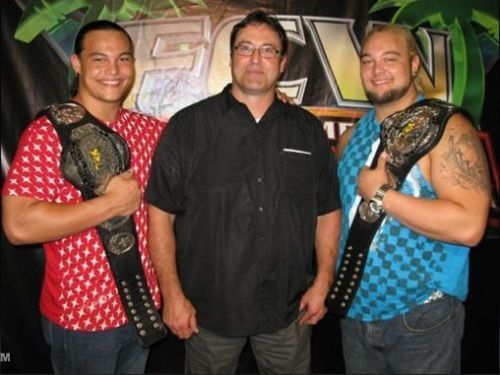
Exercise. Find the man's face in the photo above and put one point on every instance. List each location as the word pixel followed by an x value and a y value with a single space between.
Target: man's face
pixel 256 75
pixel 387 68
pixel 105 66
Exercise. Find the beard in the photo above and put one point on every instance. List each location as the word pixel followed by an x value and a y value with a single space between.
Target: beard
pixel 387 96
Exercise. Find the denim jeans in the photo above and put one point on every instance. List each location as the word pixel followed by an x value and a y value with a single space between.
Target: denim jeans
pixel 113 351
pixel 425 340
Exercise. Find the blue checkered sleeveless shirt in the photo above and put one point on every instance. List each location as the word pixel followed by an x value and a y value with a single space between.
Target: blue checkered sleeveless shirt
pixel 403 268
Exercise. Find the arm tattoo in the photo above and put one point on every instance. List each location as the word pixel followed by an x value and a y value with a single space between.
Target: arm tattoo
pixel 464 163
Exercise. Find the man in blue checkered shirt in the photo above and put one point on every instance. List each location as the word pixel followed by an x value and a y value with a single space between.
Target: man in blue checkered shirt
pixel 407 314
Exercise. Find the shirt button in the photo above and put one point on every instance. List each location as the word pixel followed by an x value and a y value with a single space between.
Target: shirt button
pixel 261 209
pixel 260 179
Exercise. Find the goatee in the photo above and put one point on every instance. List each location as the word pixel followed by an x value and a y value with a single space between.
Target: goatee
pixel 387 96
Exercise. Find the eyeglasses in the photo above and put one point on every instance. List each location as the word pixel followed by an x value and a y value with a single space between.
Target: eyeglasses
pixel 267 52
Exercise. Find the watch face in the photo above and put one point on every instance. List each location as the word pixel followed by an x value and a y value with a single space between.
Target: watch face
pixel 367 213
pixel 375 207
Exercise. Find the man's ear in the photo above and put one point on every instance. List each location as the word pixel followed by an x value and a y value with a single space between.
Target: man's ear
pixel 283 63
pixel 415 64
pixel 75 63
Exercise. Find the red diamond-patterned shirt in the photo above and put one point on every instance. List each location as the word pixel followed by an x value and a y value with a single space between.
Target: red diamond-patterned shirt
pixel 79 292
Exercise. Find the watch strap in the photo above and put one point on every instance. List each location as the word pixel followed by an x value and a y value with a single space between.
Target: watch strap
pixel 378 198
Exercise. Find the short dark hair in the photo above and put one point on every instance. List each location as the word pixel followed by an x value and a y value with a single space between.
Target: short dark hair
pixel 259 17
pixel 97 25
pixel 80 38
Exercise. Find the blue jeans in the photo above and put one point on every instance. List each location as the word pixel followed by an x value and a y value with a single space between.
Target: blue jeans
pixel 113 351
pixel 425 340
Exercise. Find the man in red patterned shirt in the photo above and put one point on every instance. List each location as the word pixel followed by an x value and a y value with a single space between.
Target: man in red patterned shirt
pixel 83 318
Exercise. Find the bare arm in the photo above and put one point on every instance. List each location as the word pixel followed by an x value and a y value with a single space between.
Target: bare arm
pixel 458 171
pixel 327 235
pixel 28 220
pixel 178 312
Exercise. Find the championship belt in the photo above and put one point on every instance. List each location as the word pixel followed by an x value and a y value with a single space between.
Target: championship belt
pixel 406 136
pixel 92 154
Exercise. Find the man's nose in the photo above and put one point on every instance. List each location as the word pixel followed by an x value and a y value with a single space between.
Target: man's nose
pixel 255 54
pixel 113 67
pixel 377 66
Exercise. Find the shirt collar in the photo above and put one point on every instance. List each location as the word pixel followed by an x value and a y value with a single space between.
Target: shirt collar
pixel 232 104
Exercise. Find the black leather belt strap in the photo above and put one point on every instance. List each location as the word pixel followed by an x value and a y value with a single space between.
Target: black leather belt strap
pixel 92 154
pixel 353 260
pixel 406 136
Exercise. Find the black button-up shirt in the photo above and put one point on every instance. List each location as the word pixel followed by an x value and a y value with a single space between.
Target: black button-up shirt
pixel 246 197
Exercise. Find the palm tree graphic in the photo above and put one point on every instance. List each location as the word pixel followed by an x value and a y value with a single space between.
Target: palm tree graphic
pixel 61 19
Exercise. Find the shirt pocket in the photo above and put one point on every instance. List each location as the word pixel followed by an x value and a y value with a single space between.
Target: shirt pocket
pixel 297 170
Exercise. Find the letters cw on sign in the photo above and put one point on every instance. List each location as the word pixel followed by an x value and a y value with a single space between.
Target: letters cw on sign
pixel 182 60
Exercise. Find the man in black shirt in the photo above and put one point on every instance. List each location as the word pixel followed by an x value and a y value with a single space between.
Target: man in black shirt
pixel 243 193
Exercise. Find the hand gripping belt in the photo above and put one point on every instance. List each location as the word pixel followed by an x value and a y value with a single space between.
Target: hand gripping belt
pixel 406 136
pixel 91 155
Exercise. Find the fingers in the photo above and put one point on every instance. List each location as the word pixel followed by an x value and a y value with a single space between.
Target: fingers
pixel 193 324
pixel 128 173
pixel 312 317
pixel 124 193
pixel 302 305
pixel 125 180
pixel 382 160
pixel 311 309
pixel 182 329
pixel 184 332
pixel 305 317
pixel 303 312
pixel 181 319
pixel 370 180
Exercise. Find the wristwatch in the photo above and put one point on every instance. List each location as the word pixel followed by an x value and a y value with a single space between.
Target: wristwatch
pixel 371 210
pixel 376 201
